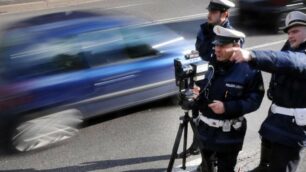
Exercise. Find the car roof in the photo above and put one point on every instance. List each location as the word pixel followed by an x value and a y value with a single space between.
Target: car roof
pixel 63 23
pixel 54 17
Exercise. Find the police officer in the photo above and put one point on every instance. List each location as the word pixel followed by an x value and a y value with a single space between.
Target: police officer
pixel 284 130
pixel 218 13
pixel 234 91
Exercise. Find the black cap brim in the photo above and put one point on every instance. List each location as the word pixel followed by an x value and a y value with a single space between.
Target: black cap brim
pixel 220 40
pixel 217 7
pixel 285 29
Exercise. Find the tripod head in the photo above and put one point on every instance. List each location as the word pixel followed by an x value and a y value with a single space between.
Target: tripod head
pixel 188 71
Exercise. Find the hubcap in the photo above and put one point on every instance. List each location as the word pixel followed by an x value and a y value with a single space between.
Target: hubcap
pixel 46 130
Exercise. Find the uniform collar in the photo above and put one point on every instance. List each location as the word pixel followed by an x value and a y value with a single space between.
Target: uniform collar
pixel 226 24
pixel 287 47
pixel 302 47
pixel 223 67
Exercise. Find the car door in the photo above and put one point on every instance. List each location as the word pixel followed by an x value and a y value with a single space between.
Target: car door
pixel 125 68
pixel 146 47
pixel 103 51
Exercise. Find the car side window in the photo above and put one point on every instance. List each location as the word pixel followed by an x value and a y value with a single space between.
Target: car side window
pixel 111 46
pixel 147 41
pixel 140 51
pixel 69 62
pixel 138 42
pixel 115 45
pixel 102 47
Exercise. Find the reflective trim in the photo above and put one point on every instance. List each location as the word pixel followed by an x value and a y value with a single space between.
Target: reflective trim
pixel 286 111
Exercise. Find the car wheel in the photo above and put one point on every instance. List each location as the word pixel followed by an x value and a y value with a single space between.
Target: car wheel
pixel 34 133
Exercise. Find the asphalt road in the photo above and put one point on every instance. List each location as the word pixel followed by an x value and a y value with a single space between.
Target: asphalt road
pixel 140 138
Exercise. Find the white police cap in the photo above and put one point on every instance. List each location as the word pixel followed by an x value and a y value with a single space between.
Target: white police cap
pixel 221 5
pixel 295 18
pixel 226 36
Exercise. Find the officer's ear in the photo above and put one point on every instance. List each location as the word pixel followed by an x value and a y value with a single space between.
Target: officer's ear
pixel 224 14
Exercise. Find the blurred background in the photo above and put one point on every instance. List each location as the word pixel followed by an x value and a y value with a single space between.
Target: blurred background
pixel 88 85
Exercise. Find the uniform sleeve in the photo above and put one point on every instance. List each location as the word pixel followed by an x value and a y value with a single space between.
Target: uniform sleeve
pixel 250 101
pixel 204 45
pixel 199 39
pixel 282 62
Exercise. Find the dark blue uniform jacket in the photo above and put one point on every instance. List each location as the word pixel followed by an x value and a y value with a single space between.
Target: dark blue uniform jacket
pixel 287 89
pixel 241 90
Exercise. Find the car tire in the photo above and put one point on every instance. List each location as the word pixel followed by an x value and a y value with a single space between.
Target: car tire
pixel 32 133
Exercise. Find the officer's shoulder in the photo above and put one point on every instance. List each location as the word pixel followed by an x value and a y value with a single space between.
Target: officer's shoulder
pixel 204 26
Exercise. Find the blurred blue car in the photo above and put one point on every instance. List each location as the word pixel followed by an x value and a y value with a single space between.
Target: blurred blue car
pixel 59 69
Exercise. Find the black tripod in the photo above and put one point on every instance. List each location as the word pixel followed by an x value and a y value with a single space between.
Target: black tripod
pixel 187 103
pixel 184 128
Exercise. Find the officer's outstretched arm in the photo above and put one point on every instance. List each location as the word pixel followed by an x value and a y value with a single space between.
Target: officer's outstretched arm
pixel 251 99
pixel 286 62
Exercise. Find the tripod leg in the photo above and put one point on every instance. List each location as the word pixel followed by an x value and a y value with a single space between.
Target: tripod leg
pixel 204 165
pixel 185 144
pixel 176 146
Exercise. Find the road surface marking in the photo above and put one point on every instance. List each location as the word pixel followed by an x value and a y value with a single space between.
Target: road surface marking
pixel 190 166
pixel 266 45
